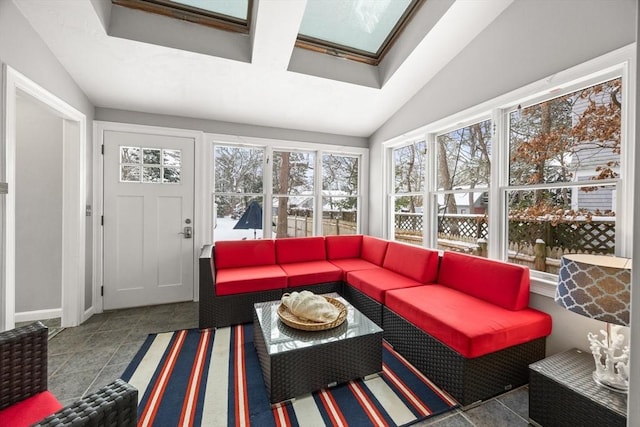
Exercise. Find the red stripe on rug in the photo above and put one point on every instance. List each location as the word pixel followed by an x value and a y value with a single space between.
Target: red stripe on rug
pixel 240 378
pixel 406 392
pixel 444 396
pixel 149 413
pixel 281 415
pixel 367 405
pixel 335 414
pixel 195 379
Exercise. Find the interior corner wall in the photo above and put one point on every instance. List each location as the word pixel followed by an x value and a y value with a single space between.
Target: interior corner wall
pixel 22 49
pixel 529 41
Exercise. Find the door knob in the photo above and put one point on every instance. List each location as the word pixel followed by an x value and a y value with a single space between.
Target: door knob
pixel 188 232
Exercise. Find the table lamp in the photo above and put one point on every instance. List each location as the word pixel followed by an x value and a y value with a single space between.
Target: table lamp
pixel 598 286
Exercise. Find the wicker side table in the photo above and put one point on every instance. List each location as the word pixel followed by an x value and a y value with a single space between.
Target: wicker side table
pixel 562 392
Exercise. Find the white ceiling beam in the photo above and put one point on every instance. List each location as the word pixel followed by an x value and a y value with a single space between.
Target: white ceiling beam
pixel 274 31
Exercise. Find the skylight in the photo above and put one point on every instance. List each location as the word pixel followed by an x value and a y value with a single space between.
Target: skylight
pixel 357 29
pixel 230 15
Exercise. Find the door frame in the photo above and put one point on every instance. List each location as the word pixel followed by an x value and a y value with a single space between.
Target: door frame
pixel 201 166
pixel 73 199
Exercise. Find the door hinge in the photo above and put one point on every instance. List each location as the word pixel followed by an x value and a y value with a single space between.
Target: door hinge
pixel 102 149
pixel 101 219
pixel 101 291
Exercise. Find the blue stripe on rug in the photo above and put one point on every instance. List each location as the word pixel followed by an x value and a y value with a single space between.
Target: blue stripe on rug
pixel 399 396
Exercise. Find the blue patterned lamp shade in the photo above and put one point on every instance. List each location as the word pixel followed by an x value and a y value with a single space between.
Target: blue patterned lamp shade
pixel 595 286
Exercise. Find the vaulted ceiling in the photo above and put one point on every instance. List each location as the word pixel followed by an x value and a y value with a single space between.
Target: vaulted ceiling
pixel 133 60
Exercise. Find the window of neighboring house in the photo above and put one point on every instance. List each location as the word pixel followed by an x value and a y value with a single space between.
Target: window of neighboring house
pixel 462 188
pixel 239 192
pixel 340 194
pixel 406 197
pixel 293 200
pixel 564 170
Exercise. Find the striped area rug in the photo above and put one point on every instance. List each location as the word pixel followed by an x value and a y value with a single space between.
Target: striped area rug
pixel 213 378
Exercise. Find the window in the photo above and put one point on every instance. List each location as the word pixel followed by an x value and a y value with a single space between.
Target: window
pixel 529 176
pixel 238 184
pixel 229 15
pixel 408 192
pixel 564 165
pixel 293 193
pixel 285 189
pixel 361 30
pixel 340 197
pixel 462 195
pixel 150 165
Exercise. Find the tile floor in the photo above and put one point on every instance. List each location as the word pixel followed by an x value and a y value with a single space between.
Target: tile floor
pixel 87 357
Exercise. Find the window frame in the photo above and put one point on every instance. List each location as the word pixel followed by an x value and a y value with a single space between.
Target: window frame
pixel 618 63
pixel 271 145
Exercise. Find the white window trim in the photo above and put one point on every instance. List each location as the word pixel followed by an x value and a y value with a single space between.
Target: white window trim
pixel 270 145
pixel 620 62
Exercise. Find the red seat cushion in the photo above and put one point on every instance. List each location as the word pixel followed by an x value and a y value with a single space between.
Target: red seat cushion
pixel 311 273
pixel 376 282
pixel 340 247
pixel 352 264
pixel 415 262
pixel 244 253
pixel 497 282
pixel 468 325
pixel 30 410
pixel 374 249
pixel 300 249
pixel 231 281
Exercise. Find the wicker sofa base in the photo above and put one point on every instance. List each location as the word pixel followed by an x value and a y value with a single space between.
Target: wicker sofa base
pixel 469 381
pixel 364 303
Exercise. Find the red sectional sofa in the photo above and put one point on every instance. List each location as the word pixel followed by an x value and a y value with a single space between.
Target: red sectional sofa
pixel 462 320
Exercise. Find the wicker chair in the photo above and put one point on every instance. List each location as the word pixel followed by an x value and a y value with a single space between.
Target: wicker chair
pixel 23 374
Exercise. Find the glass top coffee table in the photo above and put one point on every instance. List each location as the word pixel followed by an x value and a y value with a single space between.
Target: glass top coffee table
pixel 295 362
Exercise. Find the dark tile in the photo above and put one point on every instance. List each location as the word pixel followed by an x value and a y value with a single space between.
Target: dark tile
pixel 107 339
pixel 93 360
pixel 518 401
pixel 56 361
pixel 106 376
pixel 115 323
pixel 125 353
pixel 454 419
pixel 494 414
pixel 66 387
pixel 66 343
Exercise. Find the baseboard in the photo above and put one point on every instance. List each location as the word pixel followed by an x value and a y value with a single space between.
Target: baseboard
pixel 87 314
pixel 29 316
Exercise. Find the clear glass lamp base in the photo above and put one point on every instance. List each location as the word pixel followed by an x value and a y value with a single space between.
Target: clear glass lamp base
pixel 617 385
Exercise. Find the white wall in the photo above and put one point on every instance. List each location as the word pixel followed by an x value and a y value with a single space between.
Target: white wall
pixel 227 128
pixel 38 190
pixel 23 49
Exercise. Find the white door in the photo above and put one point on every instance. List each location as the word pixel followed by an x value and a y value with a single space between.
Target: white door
pixel 148 219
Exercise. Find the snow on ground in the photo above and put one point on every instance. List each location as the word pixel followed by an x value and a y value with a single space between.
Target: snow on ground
pixel 223 230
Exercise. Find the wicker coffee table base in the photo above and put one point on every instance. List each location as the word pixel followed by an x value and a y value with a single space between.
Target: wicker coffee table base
pixel 293 373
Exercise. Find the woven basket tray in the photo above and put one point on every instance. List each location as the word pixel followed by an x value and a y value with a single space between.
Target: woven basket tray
pixel 295 322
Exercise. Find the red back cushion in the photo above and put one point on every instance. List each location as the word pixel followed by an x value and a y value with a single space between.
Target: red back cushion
pixel 417 263
pixel 497 282
pixel 300 249
pixel 373 249
pixel 341 247
pixel 244 253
